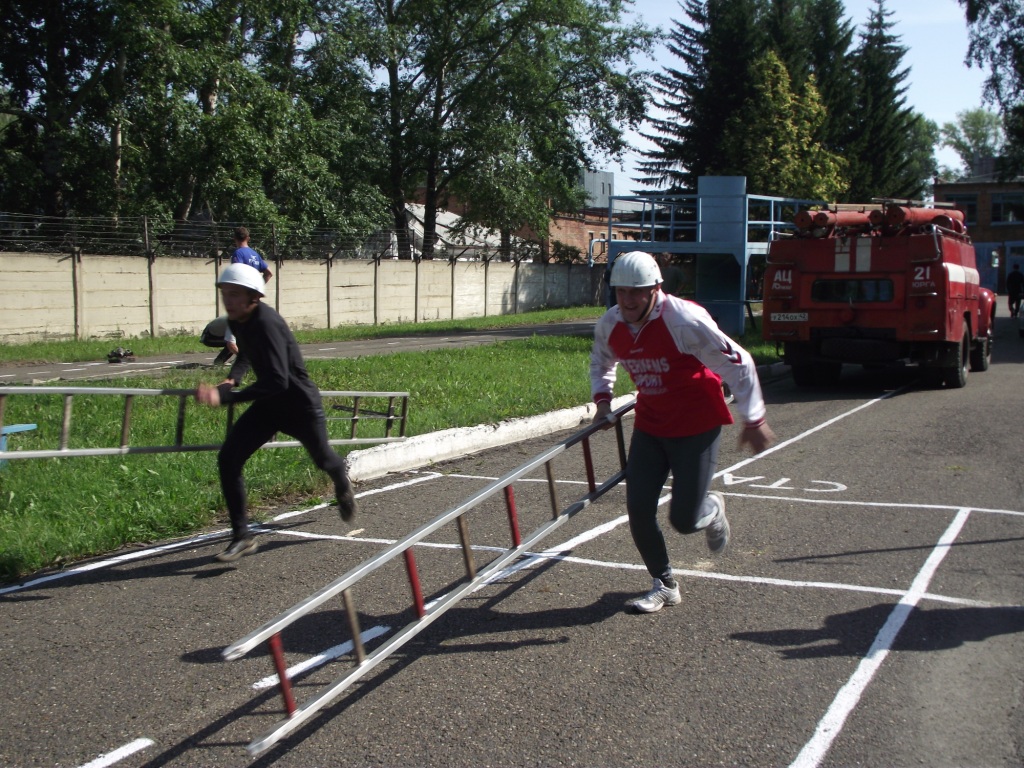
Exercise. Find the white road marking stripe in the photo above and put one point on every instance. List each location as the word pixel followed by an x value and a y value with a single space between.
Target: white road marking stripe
pixel 832 723
pixel 555 553
pixel 321 658
pixel 119 754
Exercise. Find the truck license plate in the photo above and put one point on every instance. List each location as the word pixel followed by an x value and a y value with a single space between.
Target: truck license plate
pixel 789 317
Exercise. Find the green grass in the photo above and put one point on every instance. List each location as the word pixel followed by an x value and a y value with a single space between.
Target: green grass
pixel 76 351
pixel 54 511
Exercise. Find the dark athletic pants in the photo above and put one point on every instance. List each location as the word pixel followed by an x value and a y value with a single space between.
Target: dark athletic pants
pixel 294 417
pixel 692 462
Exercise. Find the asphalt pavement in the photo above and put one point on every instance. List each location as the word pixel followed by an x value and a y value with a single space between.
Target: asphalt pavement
pixel 870 611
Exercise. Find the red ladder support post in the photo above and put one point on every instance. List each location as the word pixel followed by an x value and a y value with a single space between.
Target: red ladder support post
pixel 277 651
pixel 513 516
pixel 414 582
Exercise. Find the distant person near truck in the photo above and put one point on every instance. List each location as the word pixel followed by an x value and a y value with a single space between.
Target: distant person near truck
pixel 1015 289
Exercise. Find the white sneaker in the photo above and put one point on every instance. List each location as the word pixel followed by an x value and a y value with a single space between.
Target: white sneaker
pixel 657 598
pixel 717 530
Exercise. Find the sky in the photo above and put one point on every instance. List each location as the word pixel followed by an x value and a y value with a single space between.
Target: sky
pixel 934 31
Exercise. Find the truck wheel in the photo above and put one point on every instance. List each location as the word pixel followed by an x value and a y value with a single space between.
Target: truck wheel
pixel 981 354
pixel 827 374
pixel 955 376
pixel 803 374
pixel 816 374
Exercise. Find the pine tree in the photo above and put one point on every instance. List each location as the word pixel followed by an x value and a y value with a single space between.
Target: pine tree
pixel 771 140
pixel 787 26
pixel 882 145
pixel 718 50
pixel 831 36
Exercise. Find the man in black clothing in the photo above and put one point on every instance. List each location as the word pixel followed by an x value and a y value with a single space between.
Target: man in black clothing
pixel 283 399
pixel 1015 287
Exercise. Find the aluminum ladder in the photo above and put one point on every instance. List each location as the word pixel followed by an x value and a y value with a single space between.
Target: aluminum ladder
pixel 270 633
pixel 394 413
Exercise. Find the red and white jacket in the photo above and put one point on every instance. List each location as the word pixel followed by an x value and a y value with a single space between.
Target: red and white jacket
pixel 677 360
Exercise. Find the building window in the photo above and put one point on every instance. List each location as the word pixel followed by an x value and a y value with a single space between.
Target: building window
pixel 1008 208
pixel 966 203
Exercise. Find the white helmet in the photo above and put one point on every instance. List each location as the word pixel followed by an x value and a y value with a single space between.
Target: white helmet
pixel 243 275
pixel 635 269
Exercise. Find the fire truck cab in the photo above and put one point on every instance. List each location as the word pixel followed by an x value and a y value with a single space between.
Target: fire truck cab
pixel 889 283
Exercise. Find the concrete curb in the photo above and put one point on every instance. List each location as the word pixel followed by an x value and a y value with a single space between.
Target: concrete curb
pixel 422 450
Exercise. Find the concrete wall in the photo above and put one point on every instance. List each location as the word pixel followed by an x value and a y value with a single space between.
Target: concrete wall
pixel 52 296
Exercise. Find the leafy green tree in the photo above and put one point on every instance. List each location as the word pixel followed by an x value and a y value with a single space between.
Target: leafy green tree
pixel 997 42
pixel 883 142
pixel 976 134
pixel 185 108
pixel 241 121
pixel 771 140
pixel 55 59
pixel 539 77
pixel 923 165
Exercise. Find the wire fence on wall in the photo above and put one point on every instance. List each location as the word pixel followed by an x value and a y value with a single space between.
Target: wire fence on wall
pixel 160 237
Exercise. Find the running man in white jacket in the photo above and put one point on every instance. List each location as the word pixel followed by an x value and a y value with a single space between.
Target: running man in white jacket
pixel 677 358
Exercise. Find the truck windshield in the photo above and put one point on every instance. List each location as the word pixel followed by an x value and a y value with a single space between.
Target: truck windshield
pixel 852 289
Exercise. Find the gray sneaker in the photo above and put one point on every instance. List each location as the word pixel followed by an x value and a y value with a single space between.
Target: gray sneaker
pixel 717 530
pixel 657 598
pixel 237 548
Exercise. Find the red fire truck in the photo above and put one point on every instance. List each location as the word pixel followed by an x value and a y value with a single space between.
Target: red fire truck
pixel 894 282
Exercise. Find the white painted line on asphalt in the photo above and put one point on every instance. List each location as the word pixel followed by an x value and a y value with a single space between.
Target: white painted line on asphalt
pixel 372 492
pixel 119 754
pixel 556 553
pixel 832 723
pixel 786 443
pixel 72 370
pixel 138 554
pixel 320 659
pixel 183 544
pixel 880 504
pixel 520 480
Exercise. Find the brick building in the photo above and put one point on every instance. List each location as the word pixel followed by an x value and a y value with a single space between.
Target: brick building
pixel 994 214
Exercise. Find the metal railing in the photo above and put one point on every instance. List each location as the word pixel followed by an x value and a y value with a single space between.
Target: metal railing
pixel 394 415
pixel 270 632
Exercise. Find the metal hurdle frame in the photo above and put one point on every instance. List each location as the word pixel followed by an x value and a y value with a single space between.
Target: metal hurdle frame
pixel 392 415
pixel 270 632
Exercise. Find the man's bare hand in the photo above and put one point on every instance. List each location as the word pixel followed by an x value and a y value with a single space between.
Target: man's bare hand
pixel 208 394
pixel 603 415
pixel 758 438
